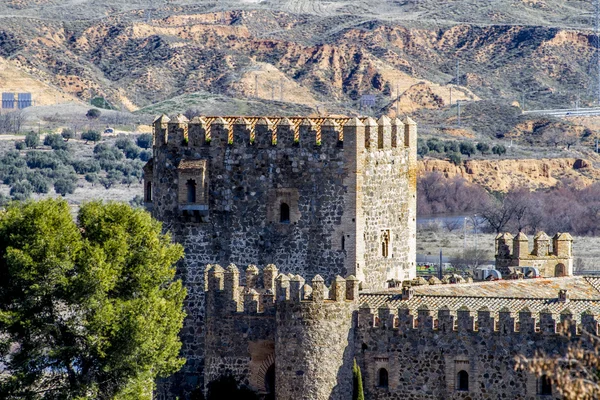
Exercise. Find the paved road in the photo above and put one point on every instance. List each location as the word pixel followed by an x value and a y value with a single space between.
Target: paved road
pixel 573 112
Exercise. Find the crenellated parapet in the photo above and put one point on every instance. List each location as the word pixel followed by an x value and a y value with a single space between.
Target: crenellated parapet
pixel 264 132
pixel 263 290
pixel 544 259
pixel 426 319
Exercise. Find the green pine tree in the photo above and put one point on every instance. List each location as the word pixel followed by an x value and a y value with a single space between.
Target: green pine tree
pixel 89 309
pixel 357 392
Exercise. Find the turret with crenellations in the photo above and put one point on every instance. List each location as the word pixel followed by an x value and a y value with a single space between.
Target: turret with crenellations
pixel 315 196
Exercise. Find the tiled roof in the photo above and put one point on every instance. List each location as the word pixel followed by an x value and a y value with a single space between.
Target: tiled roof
pixel 535 294
pixel 191 164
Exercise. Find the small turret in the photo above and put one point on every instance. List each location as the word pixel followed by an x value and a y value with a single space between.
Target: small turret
pixel 562 244
pixel 541 244
pixel 371 133
pixel 161 127
pixel 384 133
pixel 520 245
pixel 178 131
pixel 397 133
pixel 504 243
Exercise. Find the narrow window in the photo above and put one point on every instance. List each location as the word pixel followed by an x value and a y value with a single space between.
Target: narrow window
pixel 148 192
pixel 284 213
pixel 385 244
pixel 343 242
pixel 544 385
pixel 383 378
pixel 463 381
pixel 191 191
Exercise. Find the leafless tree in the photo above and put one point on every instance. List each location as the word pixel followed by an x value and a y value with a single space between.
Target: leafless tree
pixel 451 224
pixel 470 259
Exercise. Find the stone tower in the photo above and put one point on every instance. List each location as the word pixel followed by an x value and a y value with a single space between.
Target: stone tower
pixel 314 196
pixel 555 262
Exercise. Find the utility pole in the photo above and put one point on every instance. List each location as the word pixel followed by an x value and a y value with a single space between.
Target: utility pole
pixel 256 85
pixel 458 71
pixel 458 112
pixel 397 100
pixel 441 272
pixel 464 236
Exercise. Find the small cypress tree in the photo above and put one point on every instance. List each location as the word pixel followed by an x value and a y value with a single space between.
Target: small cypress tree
pixel 357 391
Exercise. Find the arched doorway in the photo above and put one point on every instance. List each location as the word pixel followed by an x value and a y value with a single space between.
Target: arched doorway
pixel 560 270
pixel 270 383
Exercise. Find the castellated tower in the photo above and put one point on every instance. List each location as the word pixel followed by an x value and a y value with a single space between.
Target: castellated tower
pixel 549 262
pixel 315 196
pixel 306 326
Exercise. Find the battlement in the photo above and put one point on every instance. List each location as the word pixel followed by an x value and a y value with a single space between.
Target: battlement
pixel 525 322
pixel 547 259
pixel 518 246
pixel 262 132
pixel 261 292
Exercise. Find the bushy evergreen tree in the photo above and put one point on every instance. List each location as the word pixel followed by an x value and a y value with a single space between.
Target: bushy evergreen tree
pixel 88 309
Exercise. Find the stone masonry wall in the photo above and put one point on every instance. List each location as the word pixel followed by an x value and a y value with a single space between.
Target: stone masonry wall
pixel 424 353
pixel 305 331
pixel 346 184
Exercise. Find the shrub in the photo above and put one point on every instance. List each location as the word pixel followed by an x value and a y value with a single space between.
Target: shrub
pixel 91 178
pixel 357 384
pixel 483 148
pixel 13 173
pixel 499 149
pixel 132 152
pixel 103 151
pixel 93 113
pixel 67 134
pixel 137 201
pixel 39 183
pixel 451 146
pixel 20 145
pixel 144 141
pixel 123 143
pixel 91 136
pixel 21 190
pixel 84 167
pixel 435 145
pixel 64 186
pixel 64 155
pixel 467 148
pixel 455 158
pixel 32 140
pixel 146 155
pixel 55 141
pixel 38 159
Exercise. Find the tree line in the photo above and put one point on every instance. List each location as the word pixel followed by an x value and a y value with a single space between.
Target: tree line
pixel 568 207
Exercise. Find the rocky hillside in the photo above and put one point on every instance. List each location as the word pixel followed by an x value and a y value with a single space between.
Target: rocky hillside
pixel 310 56
pixel 502 175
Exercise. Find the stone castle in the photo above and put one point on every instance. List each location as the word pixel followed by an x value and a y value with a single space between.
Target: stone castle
pixel 328 205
